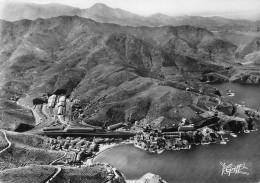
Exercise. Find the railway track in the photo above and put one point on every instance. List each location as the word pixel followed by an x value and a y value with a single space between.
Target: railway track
pixel 9 143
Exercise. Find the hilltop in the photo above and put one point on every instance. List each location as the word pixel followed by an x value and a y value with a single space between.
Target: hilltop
pixel 105 14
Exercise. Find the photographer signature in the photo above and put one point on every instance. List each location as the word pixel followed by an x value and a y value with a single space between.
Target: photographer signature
pixel 232 169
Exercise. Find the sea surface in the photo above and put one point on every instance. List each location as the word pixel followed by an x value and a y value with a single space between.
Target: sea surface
pixel 201 163
pixel 244 94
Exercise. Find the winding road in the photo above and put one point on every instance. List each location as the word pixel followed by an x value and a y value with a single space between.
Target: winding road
pixel 57 167
pixel 65 153
pixel 9 143
pixel 54 175
pixel 38 119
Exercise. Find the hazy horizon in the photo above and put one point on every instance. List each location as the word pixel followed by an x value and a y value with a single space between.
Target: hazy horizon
pixel 234 9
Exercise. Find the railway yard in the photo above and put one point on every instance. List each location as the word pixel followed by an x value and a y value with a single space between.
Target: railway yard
pixel 57 113
pixel 77 144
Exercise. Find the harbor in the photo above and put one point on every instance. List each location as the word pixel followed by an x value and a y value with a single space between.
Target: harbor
pixel 201 163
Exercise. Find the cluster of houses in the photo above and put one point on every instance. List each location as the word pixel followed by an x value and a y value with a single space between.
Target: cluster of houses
pixel 173 141
pixel 154 141
pixel 150 142
pixel 157 142
pixel 82 147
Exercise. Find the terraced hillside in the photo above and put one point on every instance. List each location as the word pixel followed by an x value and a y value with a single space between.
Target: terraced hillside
pixel 26 149
pixel 28 158
pixel 45 173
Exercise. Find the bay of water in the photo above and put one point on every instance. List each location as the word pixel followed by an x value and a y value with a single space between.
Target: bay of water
pixel 200 163
pixel 249 94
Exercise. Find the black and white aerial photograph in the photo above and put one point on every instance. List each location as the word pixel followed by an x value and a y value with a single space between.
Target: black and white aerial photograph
pixel 129 91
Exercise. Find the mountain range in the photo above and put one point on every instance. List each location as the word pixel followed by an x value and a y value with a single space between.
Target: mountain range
pixel 131 68
pixel 102 13
pixel 113 67
pixel 43 55
pixel 95 59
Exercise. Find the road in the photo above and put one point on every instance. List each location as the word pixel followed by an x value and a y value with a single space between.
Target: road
pixel 38 110
pixel 58 168
pixel 9 143
pixel 61 119
pixel 65 153
pixel 46 111
pixel 37 118
pixel 56 173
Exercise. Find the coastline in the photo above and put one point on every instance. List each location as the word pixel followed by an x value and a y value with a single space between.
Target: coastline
pixel 104 148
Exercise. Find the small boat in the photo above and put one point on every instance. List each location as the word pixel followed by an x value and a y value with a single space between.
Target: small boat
pixel 176 149
pixel 230 91
pixel 159 151
pixel 231 94
pixel 223 142
pixel 151 151
pixel 246 131
pixel 138 146
pixel 222 132
pixel 233 135
pixel 187 147
pixel 205 143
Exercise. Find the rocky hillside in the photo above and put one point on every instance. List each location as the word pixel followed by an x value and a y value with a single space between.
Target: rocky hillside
pixel 247 45
pixel 139 72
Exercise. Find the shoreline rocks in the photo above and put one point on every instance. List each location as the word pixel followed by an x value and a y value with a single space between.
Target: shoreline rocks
pixel 148 178
pixel 214 78
pixel 246 78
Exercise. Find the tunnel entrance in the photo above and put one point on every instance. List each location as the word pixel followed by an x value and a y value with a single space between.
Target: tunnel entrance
pixel 39 101
pixel 23 127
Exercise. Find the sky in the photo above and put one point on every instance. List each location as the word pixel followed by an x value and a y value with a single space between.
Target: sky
pixel 168 7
